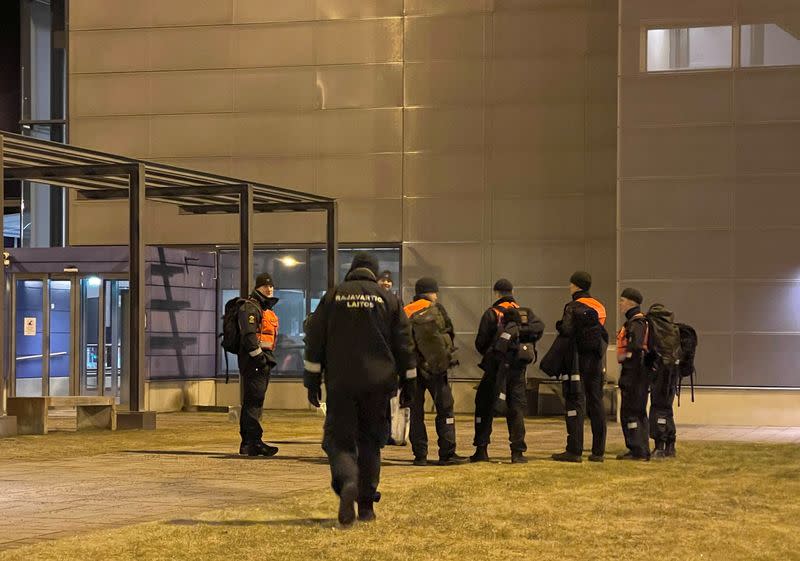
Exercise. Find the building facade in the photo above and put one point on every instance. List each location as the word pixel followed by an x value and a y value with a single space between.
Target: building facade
pixel 476 139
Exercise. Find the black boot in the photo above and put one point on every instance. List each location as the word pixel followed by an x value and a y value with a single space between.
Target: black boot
pixel 660 452
pixel 366 511
pixel 452 460
pixel 518 457
pixel 633 457
pixel 257 449
pixel 481 455
pixel 420 461
pixel 567 457
pixel 265 449
pixel 347 507
pixel 669 451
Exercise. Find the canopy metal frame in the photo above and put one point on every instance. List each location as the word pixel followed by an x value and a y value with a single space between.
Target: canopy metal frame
pixel 101 176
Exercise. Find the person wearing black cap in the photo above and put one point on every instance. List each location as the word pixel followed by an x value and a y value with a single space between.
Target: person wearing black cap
pixel 385 280
pixel 583 323
pixel 502 379
pixel 633 379
pixel 258 328
pixel 359 337
pixel 433 336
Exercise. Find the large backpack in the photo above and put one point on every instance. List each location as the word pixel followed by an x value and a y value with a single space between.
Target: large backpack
pixel 686 367
pixel 231 335
pixel 665 337
pixel 433 343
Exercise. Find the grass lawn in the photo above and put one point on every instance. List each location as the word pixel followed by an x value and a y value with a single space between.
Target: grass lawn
pixel 721 501
pixel 175 430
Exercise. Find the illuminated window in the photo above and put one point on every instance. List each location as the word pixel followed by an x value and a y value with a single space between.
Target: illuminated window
pixel 689 48
pixel 300 277
pixel 770 44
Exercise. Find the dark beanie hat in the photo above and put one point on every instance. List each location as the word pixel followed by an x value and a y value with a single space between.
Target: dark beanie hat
pixel 264 279
pixel 503 285
pixel 633 295
pixel 386 275
pixel 364 260
pixel 581 279
pixel 426 285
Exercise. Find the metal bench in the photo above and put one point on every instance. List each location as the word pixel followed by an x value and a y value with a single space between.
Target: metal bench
pixel 94 412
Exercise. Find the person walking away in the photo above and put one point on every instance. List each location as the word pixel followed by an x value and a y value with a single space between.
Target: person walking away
pixel 258 328
pixel 634 378
pixel 503 376
pixel 433 336
pixel 584 322
pixel 358 339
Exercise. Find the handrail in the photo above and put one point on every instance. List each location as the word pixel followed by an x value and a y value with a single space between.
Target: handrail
pixel 31 357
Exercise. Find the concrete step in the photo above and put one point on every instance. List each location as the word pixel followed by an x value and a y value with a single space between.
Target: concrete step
pixel 8 426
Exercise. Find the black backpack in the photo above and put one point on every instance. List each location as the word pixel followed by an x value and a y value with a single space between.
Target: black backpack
pixel 686 367
pixel 509 342
pixel 231 336
pixel 531 328
pixel 665 337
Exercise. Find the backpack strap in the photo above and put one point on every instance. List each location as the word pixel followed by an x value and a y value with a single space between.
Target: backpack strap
pixel 227 368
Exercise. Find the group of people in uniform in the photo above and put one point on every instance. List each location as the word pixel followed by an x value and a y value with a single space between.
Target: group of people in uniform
pixel 364 346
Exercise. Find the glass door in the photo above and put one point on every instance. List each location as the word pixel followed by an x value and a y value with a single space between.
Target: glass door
pixel 114 335
pixel 42 338
pixel 89 347
pixel 60 336
pixel 29 338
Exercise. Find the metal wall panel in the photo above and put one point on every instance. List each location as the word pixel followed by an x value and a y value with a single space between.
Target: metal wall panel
pixel 481 133
pixel 707 192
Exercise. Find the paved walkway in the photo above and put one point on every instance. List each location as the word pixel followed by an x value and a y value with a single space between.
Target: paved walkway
pixel 53 498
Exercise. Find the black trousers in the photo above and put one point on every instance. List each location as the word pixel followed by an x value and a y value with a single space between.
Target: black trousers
pixel 662 398
pixel 512 384
pixel 583 394
pixel 437 386
pixel 355 432
pixel 254 388
pixel 634 384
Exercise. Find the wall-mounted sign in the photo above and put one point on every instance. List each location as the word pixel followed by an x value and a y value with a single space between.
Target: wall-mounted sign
pixel 30 327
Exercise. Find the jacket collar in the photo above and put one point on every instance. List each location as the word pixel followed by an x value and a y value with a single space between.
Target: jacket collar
pixel 633 311
pixel 503 300
pixel 361 273
pixel 264 302
pixel 581 294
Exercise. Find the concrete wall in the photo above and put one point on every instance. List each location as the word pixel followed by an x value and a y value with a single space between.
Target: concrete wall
pixel 478 133
pixel 708 180
pixel 713 406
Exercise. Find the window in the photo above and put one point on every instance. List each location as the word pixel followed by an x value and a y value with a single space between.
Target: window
pixel 300 277
pixel 43 55
pixel 769 44
pixel 689 48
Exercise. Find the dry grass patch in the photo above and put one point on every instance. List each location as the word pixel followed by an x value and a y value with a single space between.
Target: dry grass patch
pixel 720 501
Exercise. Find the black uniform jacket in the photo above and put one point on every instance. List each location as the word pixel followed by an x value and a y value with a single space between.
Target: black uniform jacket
pixel 635 334
pixel 360 337
pixel 249 318
pixel 578 322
